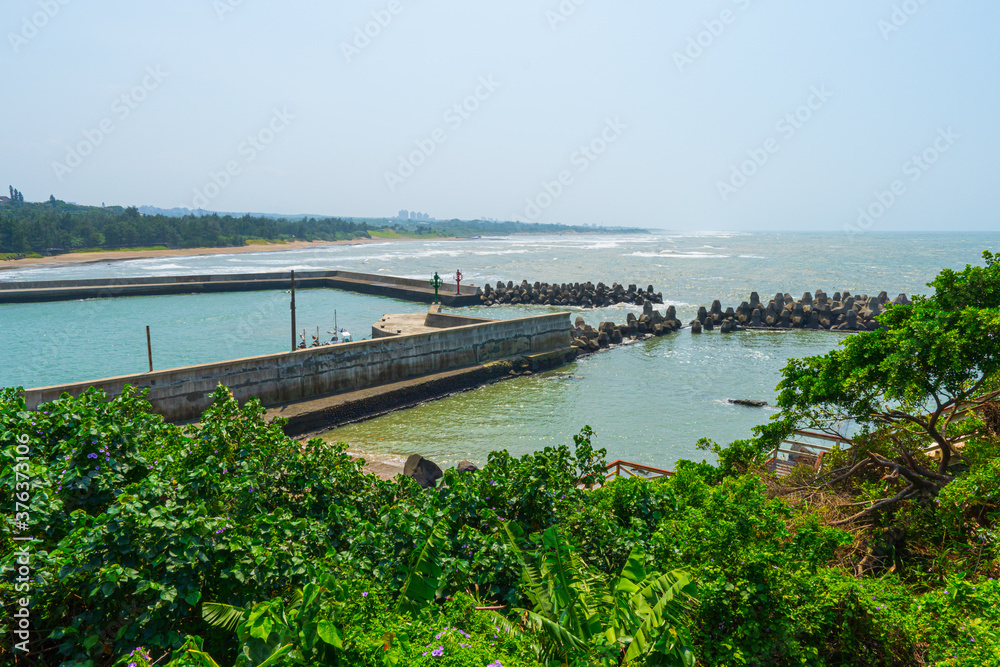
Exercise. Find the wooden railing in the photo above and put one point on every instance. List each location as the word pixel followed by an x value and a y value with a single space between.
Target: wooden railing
pixel 800 451
pixel 812 454
pixel 621 468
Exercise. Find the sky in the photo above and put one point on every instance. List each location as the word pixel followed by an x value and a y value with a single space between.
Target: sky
pixel 855 116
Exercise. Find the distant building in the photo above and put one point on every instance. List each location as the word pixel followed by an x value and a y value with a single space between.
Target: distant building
pixel 403 214
pixel 4 200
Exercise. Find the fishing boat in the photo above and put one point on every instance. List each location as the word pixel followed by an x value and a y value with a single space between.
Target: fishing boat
pixel 340 335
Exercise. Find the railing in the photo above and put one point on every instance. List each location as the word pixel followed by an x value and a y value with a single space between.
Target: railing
pixel 802 452
pixel 626 469
pixel 811 454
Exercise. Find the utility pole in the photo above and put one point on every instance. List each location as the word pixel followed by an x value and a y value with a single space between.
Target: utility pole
pixel 293 310
pixel 149 349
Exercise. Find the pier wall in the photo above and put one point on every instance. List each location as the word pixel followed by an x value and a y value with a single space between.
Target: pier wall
pixel 408 289
pixel 182 394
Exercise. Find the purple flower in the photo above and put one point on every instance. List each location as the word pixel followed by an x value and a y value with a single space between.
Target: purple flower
pixel 438 652
pixel 365 594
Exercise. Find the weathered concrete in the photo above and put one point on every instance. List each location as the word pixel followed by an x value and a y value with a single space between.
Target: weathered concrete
pixel 408 289
pixel 395 324
pixel 182 394
pixel 327 412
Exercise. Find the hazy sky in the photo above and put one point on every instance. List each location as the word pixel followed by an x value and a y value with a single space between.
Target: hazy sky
pixel 725 114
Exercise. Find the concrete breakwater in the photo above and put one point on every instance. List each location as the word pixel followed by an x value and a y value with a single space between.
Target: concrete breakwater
pixel 407 289
pixel 586 295
pixel 649 323
pixel 182 394
pixel 841 312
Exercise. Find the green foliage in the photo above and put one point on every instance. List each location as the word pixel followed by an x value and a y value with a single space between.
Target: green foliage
pixel 937 351
pixel 583 618
pixel 227 543
pixel 56 225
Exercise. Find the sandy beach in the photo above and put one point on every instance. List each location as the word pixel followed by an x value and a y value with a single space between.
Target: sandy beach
pixel 68 259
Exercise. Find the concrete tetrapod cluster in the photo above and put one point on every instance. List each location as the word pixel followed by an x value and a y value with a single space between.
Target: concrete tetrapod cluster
pixel 650 323
pixel 586 295
pixel 842 312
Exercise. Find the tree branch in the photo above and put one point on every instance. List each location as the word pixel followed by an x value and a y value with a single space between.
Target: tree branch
pixel 902 495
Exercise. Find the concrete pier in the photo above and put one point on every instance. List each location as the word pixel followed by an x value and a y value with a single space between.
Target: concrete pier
pixel 407 289
pixel 182 394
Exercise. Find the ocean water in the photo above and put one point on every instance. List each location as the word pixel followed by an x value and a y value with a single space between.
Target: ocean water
pixel 649 402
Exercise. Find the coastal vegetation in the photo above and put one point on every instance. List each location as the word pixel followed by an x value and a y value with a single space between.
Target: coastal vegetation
pixel 227 543
pixel 55 227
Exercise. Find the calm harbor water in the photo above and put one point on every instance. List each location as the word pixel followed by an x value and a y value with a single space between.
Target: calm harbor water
pixel 648 402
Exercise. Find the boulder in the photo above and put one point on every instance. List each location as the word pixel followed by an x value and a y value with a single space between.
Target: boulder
pixel 424 472
pixel 467 466
pixel 695 327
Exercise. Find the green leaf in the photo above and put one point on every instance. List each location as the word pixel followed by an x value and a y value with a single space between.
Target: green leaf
pixel 329 633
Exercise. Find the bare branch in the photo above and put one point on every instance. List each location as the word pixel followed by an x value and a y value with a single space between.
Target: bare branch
pixel 902 495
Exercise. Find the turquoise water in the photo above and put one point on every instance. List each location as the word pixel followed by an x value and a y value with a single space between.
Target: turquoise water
pixel 649 402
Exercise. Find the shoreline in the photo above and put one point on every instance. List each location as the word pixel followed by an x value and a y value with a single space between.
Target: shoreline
pixel 75 258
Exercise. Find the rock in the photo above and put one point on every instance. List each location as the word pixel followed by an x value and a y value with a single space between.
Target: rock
pixel 709 324
pixel 580 323
pixel 747 402
pixel 467 466
pixel 424 472
pixel 616 337
pixel 592 345
pixel 580 343
pixel 695 327
pixel 901 300
pixel 603 339
pixel 754 300
pixel 647 307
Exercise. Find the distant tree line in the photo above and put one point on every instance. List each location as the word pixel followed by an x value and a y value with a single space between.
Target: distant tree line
pixel 56 226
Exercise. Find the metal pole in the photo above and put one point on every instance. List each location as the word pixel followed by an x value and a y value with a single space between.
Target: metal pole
pixel 293 310
pixel 149 349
